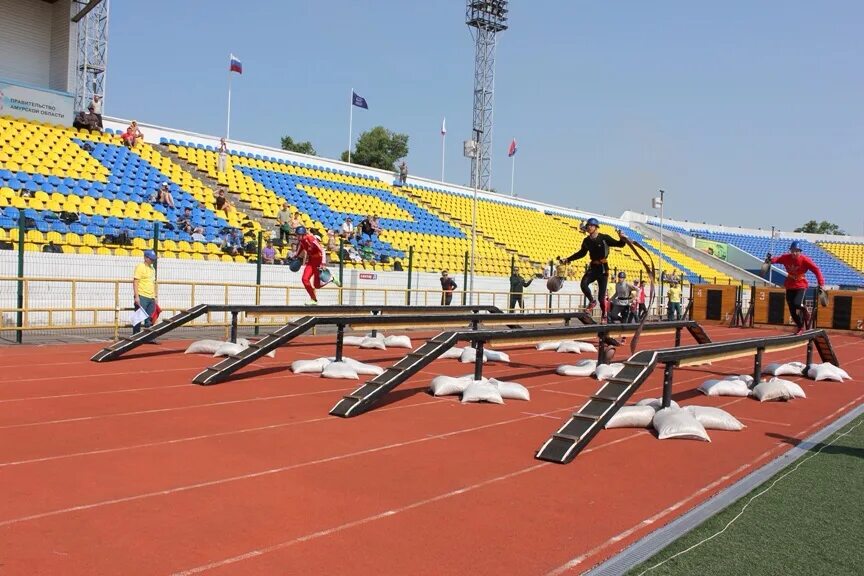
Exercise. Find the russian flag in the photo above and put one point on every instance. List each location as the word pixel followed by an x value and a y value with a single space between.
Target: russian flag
pixel 235 65
pixel 512 151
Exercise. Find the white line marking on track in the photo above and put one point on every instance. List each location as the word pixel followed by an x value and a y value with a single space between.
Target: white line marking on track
pixel 79 394
pixel 176 408
pixel 251 475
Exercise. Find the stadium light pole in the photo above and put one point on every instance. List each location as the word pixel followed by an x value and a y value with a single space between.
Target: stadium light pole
pixel 472 151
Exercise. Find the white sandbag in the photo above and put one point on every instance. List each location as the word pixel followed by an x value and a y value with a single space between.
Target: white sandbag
pixel 677 423
pixel 714 418
pixel 725 387
pixel 398 342
pixel 746 378
pixel 786 369
pixel 482 391
pixel 360 367
pixel 631 417
pixel 607 371
pixel 339 370
pixel 445 385
pixel 203 347
pixel 309 366
pixel 511 390
pixel 229 348
pixel 827 371
pixel 469 354
pixel 777 389
pixel 548 345
pixel 587 346
pixel 581 368
pixel 495 356
pixel 570 346
pixel 656 403
pixel 352 340
pixel 375 343
pixel 454 352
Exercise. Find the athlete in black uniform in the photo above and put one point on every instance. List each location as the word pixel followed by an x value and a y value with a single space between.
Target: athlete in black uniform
pixel 596 245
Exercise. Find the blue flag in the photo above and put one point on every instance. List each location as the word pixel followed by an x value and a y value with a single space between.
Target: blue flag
pixel 358 100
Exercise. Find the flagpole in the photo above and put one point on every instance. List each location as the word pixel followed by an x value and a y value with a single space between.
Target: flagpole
pixel 512 175
pixel 350 122
pixel 228 127
pixel 443 139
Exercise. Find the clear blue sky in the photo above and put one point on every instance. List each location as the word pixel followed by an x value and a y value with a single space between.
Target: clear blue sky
pixel 746 113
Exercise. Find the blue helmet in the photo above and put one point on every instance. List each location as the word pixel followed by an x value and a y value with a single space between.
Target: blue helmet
pixel 622 274
pixel 592 222
pixel 150 255
pixel 795 246
pixel 300 230
pixel 295 264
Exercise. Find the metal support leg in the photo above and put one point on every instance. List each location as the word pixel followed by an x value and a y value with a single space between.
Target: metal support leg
pixel 757 366
pixel 667 384
pixel 234 327
pixel 475 324
pixel 601 348
pixel 677 337
pixel 340 340
pixel 478 361
pixel 809 360
pixel 566 321
pixel 374 331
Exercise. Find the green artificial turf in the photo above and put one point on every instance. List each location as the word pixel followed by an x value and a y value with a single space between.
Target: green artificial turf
pixel 811 522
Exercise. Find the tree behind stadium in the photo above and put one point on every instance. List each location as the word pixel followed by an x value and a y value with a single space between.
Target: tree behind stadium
pixel 379 148
pixel 824 227
pixel 301 147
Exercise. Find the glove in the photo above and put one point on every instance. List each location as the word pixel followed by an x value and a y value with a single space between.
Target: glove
pixel 768 257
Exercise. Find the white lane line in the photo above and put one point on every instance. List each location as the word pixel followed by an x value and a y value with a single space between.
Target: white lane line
pixel 175 409
pixel 262 473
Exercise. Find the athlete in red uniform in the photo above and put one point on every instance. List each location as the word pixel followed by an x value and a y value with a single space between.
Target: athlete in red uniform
pixel 309 245
pixel 797 265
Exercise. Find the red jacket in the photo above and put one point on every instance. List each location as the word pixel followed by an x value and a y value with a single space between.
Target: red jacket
pixel 796 270
pixel 310 244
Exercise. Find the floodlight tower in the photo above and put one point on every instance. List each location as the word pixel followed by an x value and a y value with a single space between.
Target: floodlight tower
pixel 485 18
pixel 91 63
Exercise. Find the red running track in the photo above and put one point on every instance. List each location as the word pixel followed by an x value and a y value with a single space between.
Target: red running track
pixel 128 468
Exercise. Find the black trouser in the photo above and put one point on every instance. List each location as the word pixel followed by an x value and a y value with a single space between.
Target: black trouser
pixel 446 298
pixel 795 300
pixel 284 234
pixel 599 274
pixel 516 298
pixel 619 312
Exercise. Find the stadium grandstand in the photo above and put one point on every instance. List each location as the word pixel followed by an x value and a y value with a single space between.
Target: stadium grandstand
pixel 127 446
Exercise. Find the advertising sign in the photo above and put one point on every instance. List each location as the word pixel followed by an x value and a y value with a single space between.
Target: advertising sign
pixel 36 104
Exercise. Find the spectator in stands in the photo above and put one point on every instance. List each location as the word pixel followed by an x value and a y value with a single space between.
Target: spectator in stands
pixel 284 219
pixel 222 159
pixel 346 231
pixel 517 286
pixel 96 108
pixel 673 302
pixel 198 236
pixel 222 202
pixel 295 222
pixel 376 225
pixel 144 289
pixel 403 173
pixel 333 253
pixel 268 253
pixel 184 223
pixel 367 253
pixel 232 242
pixel 132 135
pixel 448 285
pixel 163 196
pixel 367 228
pixel 87 120
pixel 52 248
